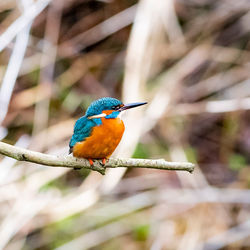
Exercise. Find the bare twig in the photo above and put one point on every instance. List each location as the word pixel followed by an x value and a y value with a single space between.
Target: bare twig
pixel 69 161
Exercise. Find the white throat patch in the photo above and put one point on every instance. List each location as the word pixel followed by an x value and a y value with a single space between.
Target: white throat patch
pixel 97 116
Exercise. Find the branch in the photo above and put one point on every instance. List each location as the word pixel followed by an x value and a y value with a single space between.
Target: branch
pixel 69 161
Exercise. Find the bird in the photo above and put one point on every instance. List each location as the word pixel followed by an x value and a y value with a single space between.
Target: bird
pixel 98 133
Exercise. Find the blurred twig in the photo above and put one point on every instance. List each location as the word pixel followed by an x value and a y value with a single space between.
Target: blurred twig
pixel 98 33
pixel 232 235
pixel 12 70
pixel 52 29
pixel 221 106
pixel 28 16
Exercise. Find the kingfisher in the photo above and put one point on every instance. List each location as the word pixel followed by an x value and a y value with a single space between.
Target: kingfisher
pixel 98 133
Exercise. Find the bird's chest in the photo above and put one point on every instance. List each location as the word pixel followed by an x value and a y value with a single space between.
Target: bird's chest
pixel 102 141
pixel 110 131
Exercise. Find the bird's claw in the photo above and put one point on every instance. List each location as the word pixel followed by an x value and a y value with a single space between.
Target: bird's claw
pixel 91 162
pixel 101 161
pixel 104 160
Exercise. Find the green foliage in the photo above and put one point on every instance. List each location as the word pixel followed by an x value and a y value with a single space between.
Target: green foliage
pixel 34 76
pixel 191 154
pixel 237 162
pixel 141 151
pixel 141 232
pixel 72 101
pixel 231 125
pixel 60 232
pixel 57 183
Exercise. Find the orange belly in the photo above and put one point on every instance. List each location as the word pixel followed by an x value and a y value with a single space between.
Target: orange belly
pixel 103 140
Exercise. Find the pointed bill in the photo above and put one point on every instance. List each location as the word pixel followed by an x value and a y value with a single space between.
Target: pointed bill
pixel 132 105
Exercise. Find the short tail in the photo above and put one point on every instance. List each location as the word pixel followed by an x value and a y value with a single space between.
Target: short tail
pixel 70 150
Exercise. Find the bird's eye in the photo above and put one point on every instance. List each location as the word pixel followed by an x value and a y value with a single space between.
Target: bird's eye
pixel 116 107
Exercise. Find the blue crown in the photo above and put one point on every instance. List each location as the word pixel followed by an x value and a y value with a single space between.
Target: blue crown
pixel 105 103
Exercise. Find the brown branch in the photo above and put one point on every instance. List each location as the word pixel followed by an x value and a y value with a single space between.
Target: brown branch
pixel 69 161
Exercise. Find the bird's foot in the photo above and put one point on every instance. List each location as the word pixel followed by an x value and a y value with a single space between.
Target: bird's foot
pixel 91 162
pixel 104 160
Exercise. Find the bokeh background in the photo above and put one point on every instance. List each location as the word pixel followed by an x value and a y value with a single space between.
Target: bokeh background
pixel 190 60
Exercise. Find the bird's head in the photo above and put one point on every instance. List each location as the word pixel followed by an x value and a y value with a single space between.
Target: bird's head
pixel 109 108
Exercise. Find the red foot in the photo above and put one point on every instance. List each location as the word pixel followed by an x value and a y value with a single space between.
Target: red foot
pixel 104 161
pixel 91 162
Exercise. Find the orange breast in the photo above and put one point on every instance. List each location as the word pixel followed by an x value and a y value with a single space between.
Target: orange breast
pixel 103 140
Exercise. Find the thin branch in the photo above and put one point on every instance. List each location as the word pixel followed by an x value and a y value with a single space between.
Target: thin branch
pixel 69 161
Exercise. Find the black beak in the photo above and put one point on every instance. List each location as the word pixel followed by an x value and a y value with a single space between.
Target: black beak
pixel 131 105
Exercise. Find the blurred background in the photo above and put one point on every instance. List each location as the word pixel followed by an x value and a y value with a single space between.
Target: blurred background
pixel 190 60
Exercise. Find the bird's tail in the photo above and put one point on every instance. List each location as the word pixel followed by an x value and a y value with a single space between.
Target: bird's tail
pixel 70 150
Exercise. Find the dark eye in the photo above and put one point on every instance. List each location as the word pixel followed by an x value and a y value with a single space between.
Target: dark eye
pixel 116 107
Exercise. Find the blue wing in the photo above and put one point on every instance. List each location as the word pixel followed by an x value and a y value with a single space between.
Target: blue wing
pixel 82 130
